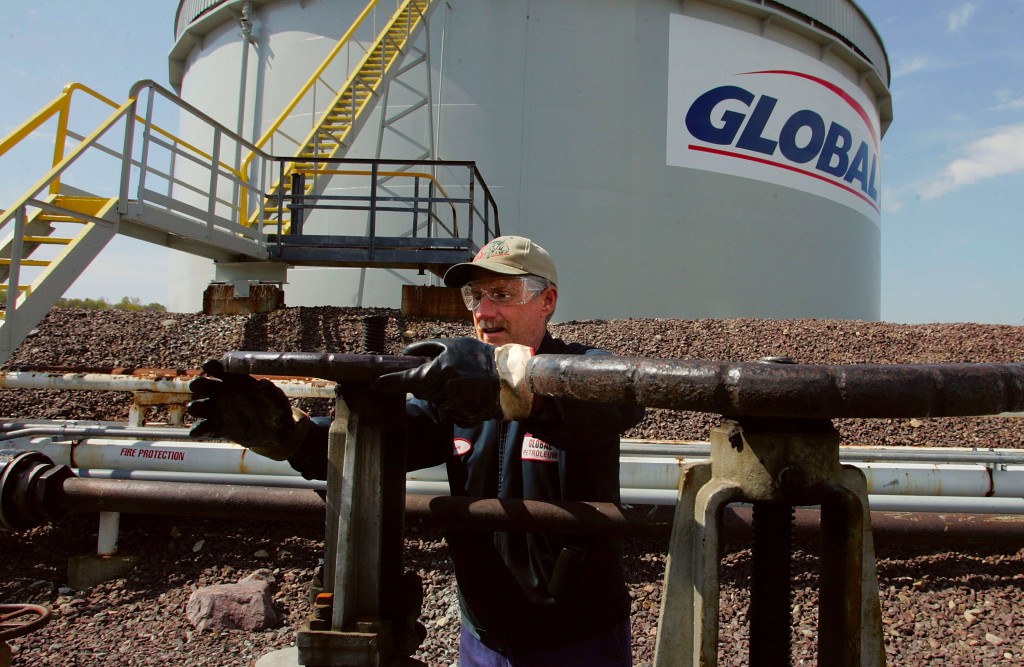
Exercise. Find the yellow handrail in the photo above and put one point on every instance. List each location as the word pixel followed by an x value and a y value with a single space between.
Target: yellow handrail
pixel 286 113
pixel 342 42
pixel 63 163
pixel 62 104
pixel 312 79
pixel 351 81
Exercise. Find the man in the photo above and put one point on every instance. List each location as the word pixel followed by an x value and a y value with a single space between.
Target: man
pixel 527 599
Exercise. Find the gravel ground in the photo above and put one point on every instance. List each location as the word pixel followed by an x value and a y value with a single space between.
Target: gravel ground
pixel 940 607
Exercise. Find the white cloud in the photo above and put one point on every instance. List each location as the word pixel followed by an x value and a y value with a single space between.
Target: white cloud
pixel 910 66
pixel 1001 152
pixel 1010 105
pixel 956 20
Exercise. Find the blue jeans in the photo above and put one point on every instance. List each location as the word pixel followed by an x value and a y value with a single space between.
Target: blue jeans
pixel 611 649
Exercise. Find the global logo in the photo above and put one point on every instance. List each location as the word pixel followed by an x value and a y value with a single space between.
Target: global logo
pixel 734 122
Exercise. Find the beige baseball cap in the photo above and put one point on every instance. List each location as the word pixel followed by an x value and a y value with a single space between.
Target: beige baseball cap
pixel 508 255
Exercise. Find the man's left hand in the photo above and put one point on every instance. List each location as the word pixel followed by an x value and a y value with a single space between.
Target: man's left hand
pixel 460 379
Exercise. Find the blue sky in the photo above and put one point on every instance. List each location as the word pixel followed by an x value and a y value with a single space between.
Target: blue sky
pixel 953 180
pixel 953 158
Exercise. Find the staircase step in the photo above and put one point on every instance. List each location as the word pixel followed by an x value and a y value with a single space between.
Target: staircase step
pixel 48 239
pixel 86 205
pixel 25 262
pixel 59 217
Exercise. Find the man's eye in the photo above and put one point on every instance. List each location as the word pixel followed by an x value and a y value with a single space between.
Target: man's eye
pixel 501 296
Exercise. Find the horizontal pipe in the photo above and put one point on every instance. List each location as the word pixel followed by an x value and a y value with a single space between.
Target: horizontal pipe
pixel 271 481
pixel 195 456
pixel 188 499
pixel 149 380
pixel 629 496
pixel 78 429
pixel 647 478
pixel 347 368
pixel 751 389
pixel 783 390
pixel 295 505
pixel 847 453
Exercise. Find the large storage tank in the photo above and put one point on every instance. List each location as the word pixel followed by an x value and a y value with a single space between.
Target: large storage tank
pixel 679 158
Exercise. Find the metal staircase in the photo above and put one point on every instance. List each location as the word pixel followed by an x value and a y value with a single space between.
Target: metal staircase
pixel 340 122
pixel 212 193
pixel 90 221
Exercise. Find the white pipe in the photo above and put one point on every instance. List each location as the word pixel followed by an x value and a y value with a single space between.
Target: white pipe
pixel 106 541
pixel 292 387
pixel 155 455
pixel 947 504
pixel 635 472
pixel 277 481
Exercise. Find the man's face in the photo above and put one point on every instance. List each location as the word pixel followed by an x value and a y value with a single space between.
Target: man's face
pixel 511 310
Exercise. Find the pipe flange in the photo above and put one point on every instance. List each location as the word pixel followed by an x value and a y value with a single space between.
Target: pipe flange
pixel 17 469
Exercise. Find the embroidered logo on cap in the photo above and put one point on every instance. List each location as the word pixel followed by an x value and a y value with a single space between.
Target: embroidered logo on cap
pixel 496 248
pixel 535 449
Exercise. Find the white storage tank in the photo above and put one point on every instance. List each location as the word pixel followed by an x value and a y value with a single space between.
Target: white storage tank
pixel 678 158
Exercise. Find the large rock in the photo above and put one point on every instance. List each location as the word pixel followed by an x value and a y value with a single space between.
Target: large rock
pixel 246 605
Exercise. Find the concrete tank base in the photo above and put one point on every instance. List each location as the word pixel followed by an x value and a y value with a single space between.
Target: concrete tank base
pixel 221 299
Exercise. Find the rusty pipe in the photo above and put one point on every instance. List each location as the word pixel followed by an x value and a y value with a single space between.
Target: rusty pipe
pixel 459 512
pixel 757 389
pixel 188 499
pixel 33 491
pixel 324 365
pixel 752 389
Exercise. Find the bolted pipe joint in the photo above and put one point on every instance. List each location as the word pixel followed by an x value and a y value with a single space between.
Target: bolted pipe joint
pixel 28 482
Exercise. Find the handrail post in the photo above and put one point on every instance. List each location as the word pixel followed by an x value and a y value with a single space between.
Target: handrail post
pixel 298 205
pixel 472 200
pixel 416 206
pixel 212 205
pixel 60 141
pixel 126 158
pixel 374 171
pixel 261 205
pixel 430 212
pixel 144 157
pixel 280 203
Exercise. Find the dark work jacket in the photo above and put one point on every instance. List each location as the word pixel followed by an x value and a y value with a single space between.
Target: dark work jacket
pixel 522 592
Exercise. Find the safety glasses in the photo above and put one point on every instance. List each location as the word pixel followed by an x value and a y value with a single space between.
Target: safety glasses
pixel 504 291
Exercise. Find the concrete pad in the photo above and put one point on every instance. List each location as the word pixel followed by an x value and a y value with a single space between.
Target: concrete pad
pixel 84 572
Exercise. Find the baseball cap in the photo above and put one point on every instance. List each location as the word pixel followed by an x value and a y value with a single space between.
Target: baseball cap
pixel 507 255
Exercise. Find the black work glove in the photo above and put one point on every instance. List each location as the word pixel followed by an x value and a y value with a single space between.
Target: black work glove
pixel 254 413
pixel 460 379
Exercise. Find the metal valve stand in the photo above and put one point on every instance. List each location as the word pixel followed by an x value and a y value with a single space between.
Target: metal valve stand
pixel 777 449
pixel 366 615
pixel 776 465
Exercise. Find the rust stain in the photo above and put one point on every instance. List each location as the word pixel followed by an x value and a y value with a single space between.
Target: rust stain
pixel 242 467
pixel 154 373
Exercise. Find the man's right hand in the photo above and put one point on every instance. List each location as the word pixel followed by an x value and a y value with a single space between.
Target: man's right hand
pixel 254 413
